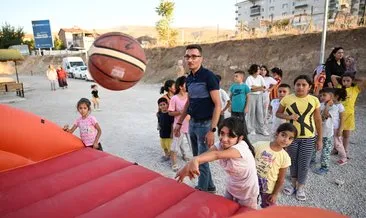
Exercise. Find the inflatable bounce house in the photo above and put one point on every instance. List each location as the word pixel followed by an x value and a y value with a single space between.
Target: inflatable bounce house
pixel 46 172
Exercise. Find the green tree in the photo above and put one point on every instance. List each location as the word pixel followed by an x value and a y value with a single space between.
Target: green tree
pixel 9 35
pixel 58 44
pixel 30 43
pixel 167 35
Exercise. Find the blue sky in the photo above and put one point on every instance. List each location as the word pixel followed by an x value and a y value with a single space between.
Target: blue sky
pixel 97 14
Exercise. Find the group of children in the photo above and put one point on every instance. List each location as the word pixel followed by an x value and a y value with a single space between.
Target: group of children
pixel 302 124
pixel 171 106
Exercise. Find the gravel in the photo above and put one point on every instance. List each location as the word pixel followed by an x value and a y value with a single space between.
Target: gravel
pixel 128 125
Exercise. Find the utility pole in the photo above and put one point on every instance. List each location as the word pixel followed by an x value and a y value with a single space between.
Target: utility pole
pixel 324 34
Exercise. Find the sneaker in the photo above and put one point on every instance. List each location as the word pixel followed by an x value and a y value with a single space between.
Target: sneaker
pixel 165 158
pixel 185 158
pixel 341 162
pixel 321 171
pixel 252 133
pixel 209 190
pixel 212 190
pixel 265 133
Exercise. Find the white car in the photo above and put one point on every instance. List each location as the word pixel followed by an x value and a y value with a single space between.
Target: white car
pixel 80 72
pixel 88 77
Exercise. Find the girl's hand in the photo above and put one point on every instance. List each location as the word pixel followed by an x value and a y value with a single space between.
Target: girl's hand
pixel 176 130
pixel 66 128
pixel 339 132
pixel 190 169
pixel 272 199
pixel 319 144
pixel 246 110
pixel 95 145
pixel 294 117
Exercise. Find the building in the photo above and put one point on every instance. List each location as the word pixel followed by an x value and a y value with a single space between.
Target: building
pixel 358 9
pixel 77 38
pixel 82 40
pixel 259 13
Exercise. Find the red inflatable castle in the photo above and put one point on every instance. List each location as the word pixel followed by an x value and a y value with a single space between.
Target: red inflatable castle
pixel 46 172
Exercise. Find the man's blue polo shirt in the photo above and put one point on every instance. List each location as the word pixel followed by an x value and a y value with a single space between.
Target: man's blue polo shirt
pixel 199 85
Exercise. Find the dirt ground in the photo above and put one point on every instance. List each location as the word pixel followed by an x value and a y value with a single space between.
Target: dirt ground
pixel 128 125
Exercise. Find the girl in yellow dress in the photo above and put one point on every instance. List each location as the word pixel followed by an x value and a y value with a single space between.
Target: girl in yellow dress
pixel 353 88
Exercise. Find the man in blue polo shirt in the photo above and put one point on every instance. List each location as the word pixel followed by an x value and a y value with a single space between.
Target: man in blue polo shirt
pixel 204 107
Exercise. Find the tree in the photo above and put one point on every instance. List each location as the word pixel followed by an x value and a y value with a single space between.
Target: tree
pixel 167 35
pixel 58 44
pixel 10 36
pixel 30 43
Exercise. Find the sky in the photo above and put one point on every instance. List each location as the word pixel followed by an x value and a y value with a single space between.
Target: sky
pixel 100 14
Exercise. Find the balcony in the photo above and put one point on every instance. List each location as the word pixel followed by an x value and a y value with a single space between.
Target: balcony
pixel 300 4
pixel 255 10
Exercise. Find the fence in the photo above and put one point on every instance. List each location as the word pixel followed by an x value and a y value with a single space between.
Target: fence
pixel 59 52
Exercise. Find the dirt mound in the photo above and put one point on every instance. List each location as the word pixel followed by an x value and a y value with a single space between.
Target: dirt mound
pixel 294 54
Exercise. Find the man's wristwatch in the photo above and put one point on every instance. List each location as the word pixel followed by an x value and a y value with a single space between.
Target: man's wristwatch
pixel 213 129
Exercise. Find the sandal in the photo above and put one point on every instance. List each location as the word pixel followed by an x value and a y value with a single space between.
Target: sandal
pixel 300 194
pixel 289 190
pixel 175 168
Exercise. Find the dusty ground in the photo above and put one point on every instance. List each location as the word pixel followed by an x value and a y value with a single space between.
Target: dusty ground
pixel 128 123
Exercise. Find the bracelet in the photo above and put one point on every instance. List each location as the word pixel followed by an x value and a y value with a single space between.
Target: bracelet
pixel 179 124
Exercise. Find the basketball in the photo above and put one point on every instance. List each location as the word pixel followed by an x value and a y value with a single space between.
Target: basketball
pixel 116 61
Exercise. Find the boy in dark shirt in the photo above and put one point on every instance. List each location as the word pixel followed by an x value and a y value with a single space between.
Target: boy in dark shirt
pixel 166 124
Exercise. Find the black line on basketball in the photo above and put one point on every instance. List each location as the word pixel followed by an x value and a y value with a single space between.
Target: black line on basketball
pixel 113 49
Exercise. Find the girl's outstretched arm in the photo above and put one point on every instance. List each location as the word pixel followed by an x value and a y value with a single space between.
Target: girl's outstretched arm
pixel 73 128
pixel 191 169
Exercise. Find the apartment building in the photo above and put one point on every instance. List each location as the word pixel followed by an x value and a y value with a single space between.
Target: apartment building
pixel 257 13
pixel 77 38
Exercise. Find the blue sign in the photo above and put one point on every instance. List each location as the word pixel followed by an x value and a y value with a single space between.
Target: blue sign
pixel 42 34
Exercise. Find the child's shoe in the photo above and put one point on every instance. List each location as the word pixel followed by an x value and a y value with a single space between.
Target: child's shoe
pixel 165 158
pixel 321 171
pixel 175 168
pixel 341 162
pixel 185 158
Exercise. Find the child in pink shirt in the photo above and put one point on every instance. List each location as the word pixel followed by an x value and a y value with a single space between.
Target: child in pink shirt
pixel 89 128
pixel 236 155
pixel 176 106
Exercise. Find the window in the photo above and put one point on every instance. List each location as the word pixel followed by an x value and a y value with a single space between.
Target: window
pixel 271 8
pixel 284 14
pixel 262 9
pixel 285 5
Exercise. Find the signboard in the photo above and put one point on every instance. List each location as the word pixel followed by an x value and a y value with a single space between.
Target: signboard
pixel 42 34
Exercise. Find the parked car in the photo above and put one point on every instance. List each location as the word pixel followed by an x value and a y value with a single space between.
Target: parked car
pixel 88 76
pixel 80 72
pixel 71 64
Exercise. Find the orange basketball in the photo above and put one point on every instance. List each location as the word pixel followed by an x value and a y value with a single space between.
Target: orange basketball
pixel 116 61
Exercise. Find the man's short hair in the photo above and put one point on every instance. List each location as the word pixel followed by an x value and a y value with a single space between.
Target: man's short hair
pixel 194 46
